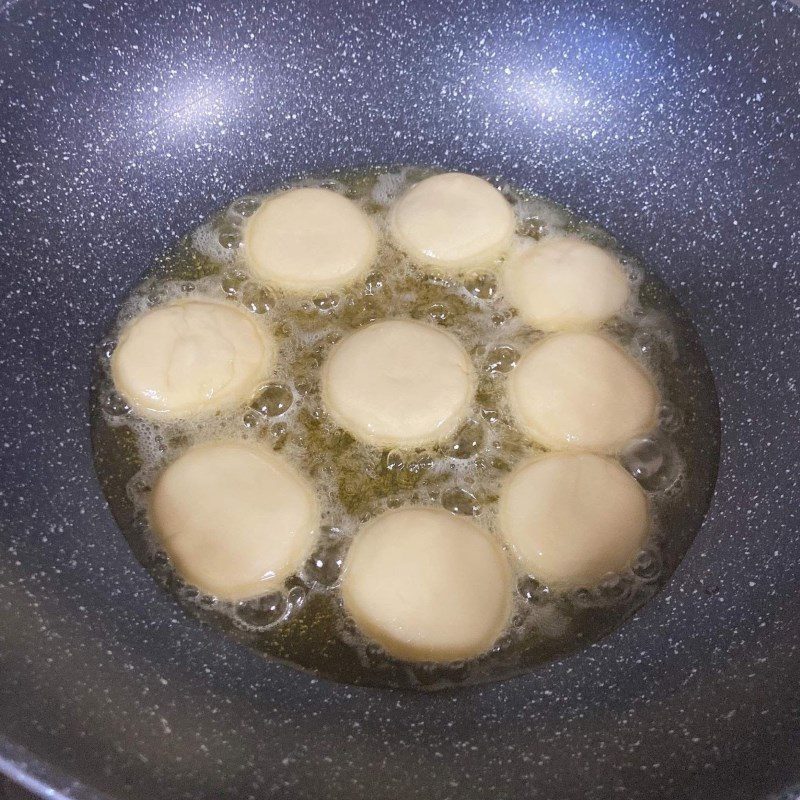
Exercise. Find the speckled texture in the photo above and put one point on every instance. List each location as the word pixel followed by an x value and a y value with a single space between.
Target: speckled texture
pixel 673 124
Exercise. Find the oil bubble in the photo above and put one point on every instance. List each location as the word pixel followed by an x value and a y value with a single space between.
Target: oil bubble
pixel 283 330
pixel 229 239
pixel 498 319
pixel 327 302
pixel 531 590
pixel 392 461
pixel 245 206
pixel 273 400
pixel 331 184
pixel 251 419
pixel 228 234
pixel 613 588
pixel 431 307
pixel 460 501
pixel 481 286
pixel 374 654
pixel 324 567
pixel 420 464
pixel 187 592
pixel 232 281
pixel 114 405
pixel 504 642
pixel 296 598
pixel 502 359
pixel 257 299
pixel 533 228
pixel 263 612
pixel 653 461
pixel 583 597
pixel 643 458
pixel 373 283
pixel 647 565
pixel 439 313
pixel 156 296
pixel 491 415
pixel 654 346
pixel 467 442
pixel 107 347
pixel 278 434
pixel 668 418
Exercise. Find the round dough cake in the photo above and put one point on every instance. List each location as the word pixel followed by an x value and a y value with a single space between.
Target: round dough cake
pixel 398 383
pixel 572 518
pixel 580 391
pixel 309 240
pixel 565 284
pixel 235 518
pixel 452 223
pixel 427 585
pixel 190 358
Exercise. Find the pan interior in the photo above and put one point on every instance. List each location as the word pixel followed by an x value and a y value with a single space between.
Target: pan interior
pixel 304 625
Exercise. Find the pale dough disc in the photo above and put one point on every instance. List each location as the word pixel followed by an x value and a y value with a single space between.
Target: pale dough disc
pixel 398 383
pixel 565 284
pixel 452 223
pixel 191 358
pixel 572 518
pixel 309 240
pixel 235 518
pixel 581 391
pixel 427 585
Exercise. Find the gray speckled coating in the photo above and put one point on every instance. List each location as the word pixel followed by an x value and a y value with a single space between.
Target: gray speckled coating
pixel 673 124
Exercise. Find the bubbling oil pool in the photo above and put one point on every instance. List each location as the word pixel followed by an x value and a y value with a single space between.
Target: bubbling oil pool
pixel 305 624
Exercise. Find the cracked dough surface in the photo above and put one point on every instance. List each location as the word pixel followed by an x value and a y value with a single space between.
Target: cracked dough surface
pixel 190 358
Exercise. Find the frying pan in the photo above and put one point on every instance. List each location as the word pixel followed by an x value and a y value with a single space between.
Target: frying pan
pixel 122 124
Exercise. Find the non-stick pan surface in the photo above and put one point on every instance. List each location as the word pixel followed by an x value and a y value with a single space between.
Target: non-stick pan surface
pixel 674 124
